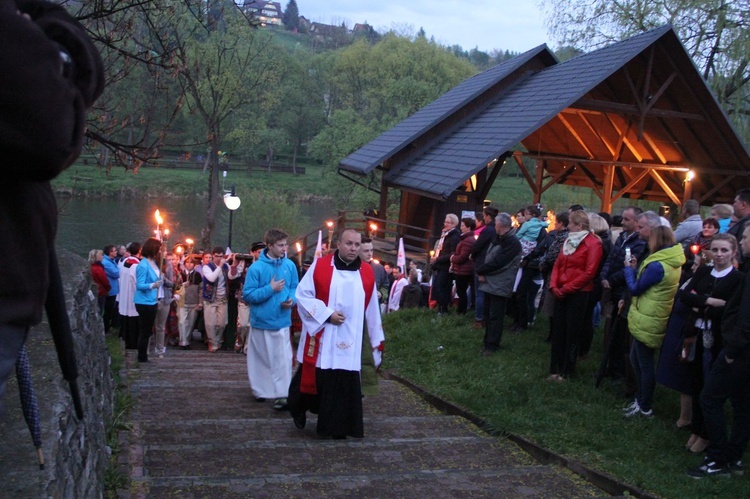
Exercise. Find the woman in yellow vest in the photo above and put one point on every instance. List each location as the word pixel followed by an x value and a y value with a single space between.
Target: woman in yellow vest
pixel 653 289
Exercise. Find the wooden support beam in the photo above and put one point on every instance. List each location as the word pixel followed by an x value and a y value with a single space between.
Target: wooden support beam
pixel 539 181
pixel 592 180
pixel 575 135
pixel 525 172
pixel 665 187
pixel 609 181
pixel 715 189
pixel 598 106
pixel 493 175
pixel 637 178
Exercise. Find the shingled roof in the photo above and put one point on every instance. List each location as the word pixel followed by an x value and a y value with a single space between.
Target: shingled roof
pixel 577 115
pixel 429 117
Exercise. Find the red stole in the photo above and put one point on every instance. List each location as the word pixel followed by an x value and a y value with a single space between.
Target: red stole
pixel 322 275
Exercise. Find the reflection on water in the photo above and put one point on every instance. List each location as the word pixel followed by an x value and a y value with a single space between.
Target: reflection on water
pixel 85 224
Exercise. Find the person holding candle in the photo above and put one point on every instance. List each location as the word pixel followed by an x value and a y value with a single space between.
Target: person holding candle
pixel 148 281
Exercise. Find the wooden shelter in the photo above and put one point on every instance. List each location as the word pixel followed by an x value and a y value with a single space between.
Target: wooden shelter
pixel 634 119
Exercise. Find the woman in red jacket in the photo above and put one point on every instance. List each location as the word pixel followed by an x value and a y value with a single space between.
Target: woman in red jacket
pixel 463 267
pixel 100 276
pixel 571 283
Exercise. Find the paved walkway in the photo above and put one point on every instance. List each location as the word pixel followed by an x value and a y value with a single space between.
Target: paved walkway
pixel 197 432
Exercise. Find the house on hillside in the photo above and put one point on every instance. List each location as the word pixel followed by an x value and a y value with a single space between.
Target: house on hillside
pixel 268 13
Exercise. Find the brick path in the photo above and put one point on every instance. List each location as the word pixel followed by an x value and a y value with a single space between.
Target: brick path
pixel 197 432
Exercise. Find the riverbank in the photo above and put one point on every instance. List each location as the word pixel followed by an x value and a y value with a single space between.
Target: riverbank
pixel 90 181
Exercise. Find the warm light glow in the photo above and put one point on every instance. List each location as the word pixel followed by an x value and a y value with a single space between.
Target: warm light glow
pixel 179 249
pixel 473 181
pixel 690 175
pixel 476 236
pixel 373 227
pixel 695 248
pixel 166 232
pixel 514 221
pixel 552 219
pixel 189 241
pixel 157 216
pixel 375 260
pixel 432 253
pixel 329 224
pixel 298 246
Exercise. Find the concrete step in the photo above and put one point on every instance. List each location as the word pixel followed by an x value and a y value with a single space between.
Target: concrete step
pixel 198 432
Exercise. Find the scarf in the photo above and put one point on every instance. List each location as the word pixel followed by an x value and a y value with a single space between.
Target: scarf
pixel 573 241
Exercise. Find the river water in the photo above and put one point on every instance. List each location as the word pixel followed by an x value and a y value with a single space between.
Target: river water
pixel 88 223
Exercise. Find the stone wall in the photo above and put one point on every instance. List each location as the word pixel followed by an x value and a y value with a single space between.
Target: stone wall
pixel 75 451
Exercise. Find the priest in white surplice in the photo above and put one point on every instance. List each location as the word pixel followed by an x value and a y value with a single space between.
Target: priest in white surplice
pixel 335 298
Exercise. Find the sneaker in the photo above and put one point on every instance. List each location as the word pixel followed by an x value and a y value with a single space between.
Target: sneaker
pixel 736 467
pixel 632 408
pixel 280 404
pixel 709 467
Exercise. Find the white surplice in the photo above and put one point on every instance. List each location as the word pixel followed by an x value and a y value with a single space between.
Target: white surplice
pixel 394 300
pixel 340 346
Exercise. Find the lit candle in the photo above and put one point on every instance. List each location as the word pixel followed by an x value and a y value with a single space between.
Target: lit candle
pixel 159 221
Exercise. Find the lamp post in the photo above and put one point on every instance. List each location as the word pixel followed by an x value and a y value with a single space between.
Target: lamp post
pixel 232 202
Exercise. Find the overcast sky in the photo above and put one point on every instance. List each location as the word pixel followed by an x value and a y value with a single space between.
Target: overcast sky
pixel 514 25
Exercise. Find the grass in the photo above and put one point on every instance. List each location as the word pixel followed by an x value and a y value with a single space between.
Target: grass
pixel 90 180
pixel 114 479
pixel 509 390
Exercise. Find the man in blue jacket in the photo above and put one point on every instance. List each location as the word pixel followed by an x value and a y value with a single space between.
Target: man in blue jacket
pixel 270 285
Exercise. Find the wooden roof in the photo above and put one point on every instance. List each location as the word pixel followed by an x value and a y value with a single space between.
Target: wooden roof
pixel 629 119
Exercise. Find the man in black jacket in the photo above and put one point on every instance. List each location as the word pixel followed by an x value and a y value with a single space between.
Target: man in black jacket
pixel 50 74
pixel 729 379
pixel 496 275
pixel 478 250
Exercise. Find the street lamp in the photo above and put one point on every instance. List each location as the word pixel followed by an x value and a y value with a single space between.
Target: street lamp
pixel 232 202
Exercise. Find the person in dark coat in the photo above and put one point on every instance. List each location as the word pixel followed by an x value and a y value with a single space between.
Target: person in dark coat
pixel 478 250
pixel 51 73
pixel 411 295
pixel 461 265
pixel 442 279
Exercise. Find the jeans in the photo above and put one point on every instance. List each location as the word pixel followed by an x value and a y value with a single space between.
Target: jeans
pixel 727 381
pixel 494 315
pixel 644 367
pixel 526 295
pixel 478 301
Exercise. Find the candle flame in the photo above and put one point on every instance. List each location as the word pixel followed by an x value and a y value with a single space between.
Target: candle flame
pixel 166 232
pixel 189 241
pixel 298 246
pixel 552 219
pixel 157 216
pixel 329 224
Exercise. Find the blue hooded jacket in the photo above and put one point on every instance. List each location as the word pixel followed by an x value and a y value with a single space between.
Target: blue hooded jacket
pixel 265 304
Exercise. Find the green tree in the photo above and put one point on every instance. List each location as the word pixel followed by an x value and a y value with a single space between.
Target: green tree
pixel 222 64
pixel 291 16
pixel 714 32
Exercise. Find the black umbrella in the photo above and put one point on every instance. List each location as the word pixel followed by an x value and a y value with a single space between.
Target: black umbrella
pixel 60 327
pixel 602 372
pixel 29 403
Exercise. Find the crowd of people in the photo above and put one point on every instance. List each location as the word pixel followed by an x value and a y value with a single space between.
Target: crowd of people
pixel 664 297
pixel 157 298
pixel 672 303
